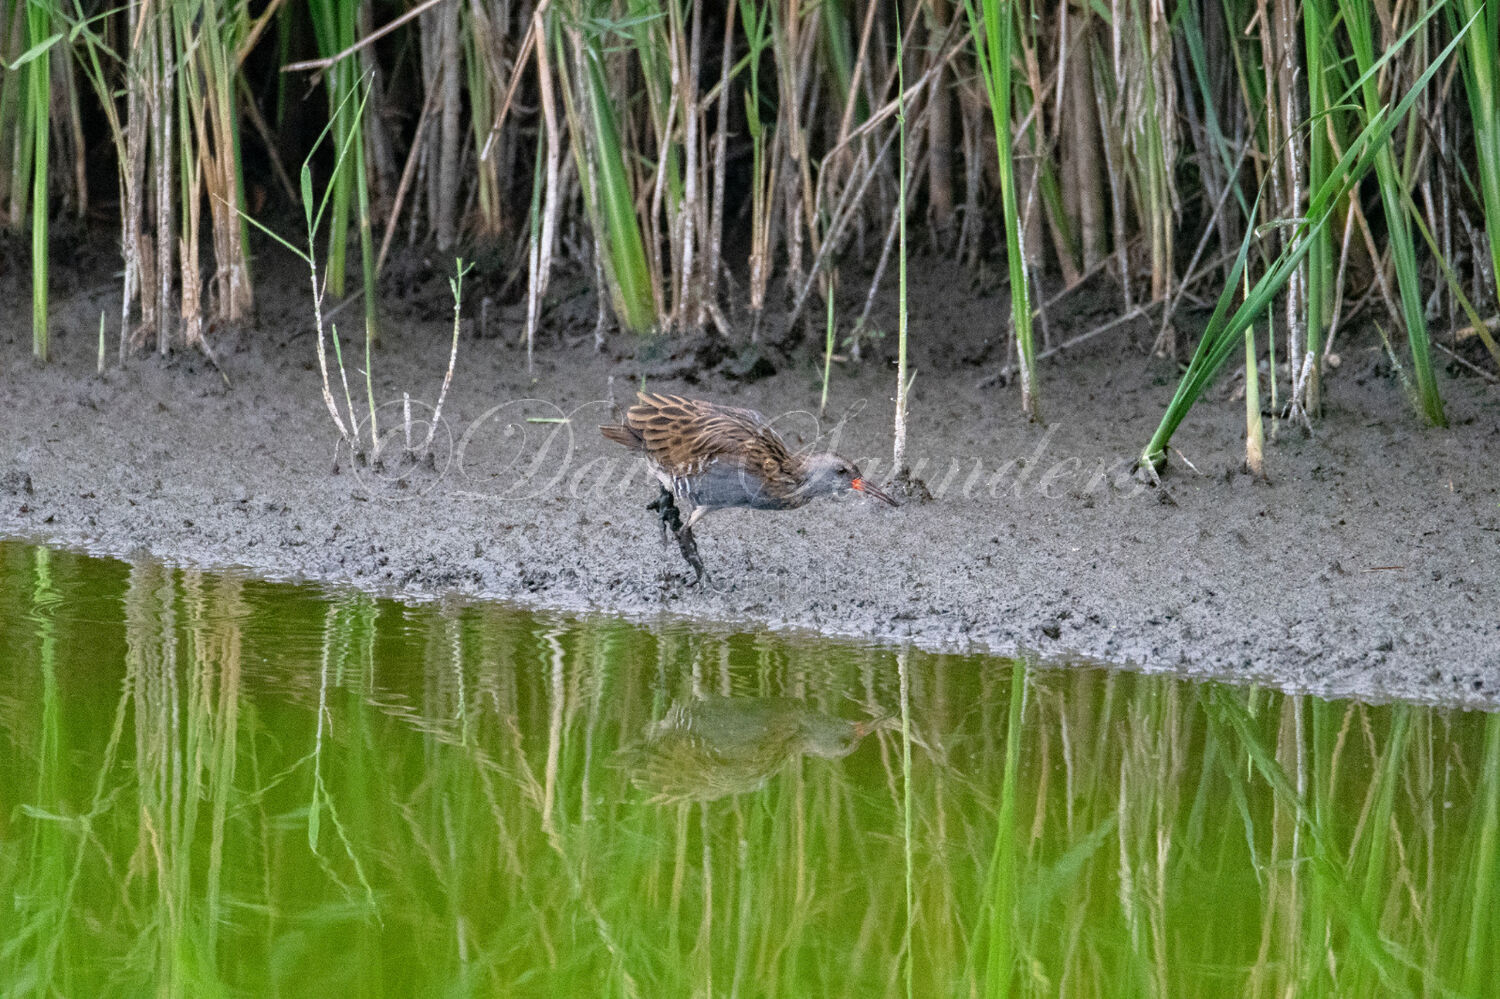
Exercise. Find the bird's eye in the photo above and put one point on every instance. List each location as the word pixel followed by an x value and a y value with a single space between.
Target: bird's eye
pixel 845 470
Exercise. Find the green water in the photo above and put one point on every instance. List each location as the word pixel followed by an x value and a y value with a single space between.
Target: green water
pixel 216 786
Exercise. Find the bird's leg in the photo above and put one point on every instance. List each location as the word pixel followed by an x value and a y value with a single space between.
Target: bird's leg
pixel 689 544
pixel 689 547
pixel 671 519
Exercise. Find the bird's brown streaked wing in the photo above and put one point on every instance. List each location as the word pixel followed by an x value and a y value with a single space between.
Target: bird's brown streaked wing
pixel 750 417
pixel 682 435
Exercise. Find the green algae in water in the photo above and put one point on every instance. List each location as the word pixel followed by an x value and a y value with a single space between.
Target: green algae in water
pixel 211 785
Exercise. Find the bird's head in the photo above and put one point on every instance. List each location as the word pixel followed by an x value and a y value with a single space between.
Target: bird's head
pixel 832 473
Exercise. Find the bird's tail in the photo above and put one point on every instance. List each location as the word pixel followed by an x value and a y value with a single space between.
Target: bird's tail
pixel 628 436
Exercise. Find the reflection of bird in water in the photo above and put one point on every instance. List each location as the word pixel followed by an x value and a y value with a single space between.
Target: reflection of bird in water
pixel 715 746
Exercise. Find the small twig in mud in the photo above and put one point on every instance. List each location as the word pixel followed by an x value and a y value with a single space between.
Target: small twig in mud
pixel 1185 461
pixel 354 296
pixel 1468 364
pixel 202 344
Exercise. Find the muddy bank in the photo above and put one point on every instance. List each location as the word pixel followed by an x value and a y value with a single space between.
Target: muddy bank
pixel 1367 566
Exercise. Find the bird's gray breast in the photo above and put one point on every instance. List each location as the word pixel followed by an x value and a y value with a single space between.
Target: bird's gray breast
pixel 726 483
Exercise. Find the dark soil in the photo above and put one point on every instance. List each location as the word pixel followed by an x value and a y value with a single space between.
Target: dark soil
pixel 1369 564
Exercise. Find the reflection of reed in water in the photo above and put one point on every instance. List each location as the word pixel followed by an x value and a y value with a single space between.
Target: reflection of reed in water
pixel 715 746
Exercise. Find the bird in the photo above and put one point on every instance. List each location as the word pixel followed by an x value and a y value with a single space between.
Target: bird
pixel 711 456
pixel 712 746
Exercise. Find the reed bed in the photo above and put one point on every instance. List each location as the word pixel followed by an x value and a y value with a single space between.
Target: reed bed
pixel 1296 169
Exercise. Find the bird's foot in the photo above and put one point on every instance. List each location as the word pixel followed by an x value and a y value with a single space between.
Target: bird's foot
pixel 671 518
pixel 671 524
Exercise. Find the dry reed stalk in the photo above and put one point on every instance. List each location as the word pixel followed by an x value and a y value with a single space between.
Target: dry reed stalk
pixel 1442 211
pixel 429 37
pixel 408 173
pixel 1281 39
pixel 235 293
pixel 851 198
pixel 1163 144
pixel 380 154
pixel 451 129
pixel 12 44
pixel 858 78
pixel 715 239
pixel 161 84
pixel 540 261
pixel 485 44
pixel 90 48
pixel 976 159
pixel 1112 145
pixel 692 219
pixel 75 148
pixel 902 474
pixel 138 276
pixel 1030 133
pixel 1084 143
pixel 273 155
pixel 850 204
pixel 192 141
pixel 1338 287
pixel 939 129
pixel 664 99
pixel 875 281
pixel 15 149
pixel 794 41
pixel 1143 63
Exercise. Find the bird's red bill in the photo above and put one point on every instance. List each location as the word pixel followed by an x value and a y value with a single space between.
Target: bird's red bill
pixel 869 489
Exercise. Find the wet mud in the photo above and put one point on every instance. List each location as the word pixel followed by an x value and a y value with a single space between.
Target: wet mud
pixel 1368 565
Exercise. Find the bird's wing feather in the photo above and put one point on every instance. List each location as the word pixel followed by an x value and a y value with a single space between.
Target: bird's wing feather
pixel 622 435
pixel 684 435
